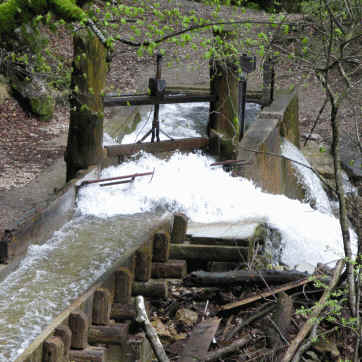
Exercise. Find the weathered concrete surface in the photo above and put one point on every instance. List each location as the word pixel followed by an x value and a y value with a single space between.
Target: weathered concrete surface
pixel 260 147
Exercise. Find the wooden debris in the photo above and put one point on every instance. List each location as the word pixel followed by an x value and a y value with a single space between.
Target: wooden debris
pixel 202 278
pixel 199 341
pixel 149 330
pixel 316 310
pixel 222 352
pixel 266 294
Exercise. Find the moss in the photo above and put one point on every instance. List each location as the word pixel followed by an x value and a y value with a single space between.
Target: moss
pixel 15 12
pixel 43 107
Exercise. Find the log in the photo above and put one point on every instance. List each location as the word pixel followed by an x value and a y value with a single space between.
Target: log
pixel 221 266
pixel 101 306
pixel 111 334
pixel 208 252
pixel 78 323
pixel 53 349
pixel 206 240
pixel 123 312
pixel 144 262
pixel 93 354
pixel 179 228
pixel 65 334
pixel 316 310
pixel 202 278
pixel 149 330
pixel 161 246
pixel 153 288
pixel 172 269
pixel 123 285
pixel 184 144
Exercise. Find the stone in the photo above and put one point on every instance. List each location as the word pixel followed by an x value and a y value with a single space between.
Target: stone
pixel 187 316
pixel 35 94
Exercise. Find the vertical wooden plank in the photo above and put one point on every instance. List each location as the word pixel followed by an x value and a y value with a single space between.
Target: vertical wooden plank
pixel 161 246
pixel 78 323
pixel 123 285
pixel 102 303
pixel 179 228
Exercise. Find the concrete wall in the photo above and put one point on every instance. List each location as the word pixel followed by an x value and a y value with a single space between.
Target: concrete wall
pixel 260 147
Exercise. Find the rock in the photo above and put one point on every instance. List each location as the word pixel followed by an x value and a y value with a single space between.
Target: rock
pixel 35 94
pixel 187 317
pixel 351 159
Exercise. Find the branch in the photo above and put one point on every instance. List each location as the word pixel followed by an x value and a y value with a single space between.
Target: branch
pixel 316 311
pixel 316 120
pixel 150 331
pixel 196 27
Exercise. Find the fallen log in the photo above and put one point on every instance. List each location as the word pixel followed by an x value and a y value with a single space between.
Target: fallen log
pixel 202 278
pixel 316 311
pixel 123 312
pixel 154 288
pixel 94 354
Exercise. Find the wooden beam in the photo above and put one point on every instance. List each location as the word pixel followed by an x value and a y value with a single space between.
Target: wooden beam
pixel 183 144
pixel 137 100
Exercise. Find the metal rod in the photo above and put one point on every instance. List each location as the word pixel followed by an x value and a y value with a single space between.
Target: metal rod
pixel 117 182
pixel 87 182
pixel 230 162
pixel 242 103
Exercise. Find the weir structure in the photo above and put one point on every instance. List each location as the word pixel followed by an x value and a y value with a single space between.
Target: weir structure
pixel 105 313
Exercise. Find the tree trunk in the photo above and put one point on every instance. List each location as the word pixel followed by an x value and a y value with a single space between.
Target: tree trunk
pixel 85 137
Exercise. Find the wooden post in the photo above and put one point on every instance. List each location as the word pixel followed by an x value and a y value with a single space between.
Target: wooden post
pixel 85 137
pixel 223 124
pixel 144 262
pixel 161 246
pixel 179 228
pixel 101 307
pixel 65 334
pixel 53 350
pixel 78 323
pixel 123 286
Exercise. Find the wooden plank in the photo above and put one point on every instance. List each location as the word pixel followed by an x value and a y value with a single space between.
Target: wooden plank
pixel 197 345
pixel 183 144
pixel 137 100
pixel 266 294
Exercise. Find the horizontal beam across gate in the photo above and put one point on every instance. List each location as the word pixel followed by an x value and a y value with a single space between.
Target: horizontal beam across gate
pixel 136 100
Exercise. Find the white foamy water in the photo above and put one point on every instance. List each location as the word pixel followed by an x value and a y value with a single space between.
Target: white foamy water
pixel 305 176
pixel 186 183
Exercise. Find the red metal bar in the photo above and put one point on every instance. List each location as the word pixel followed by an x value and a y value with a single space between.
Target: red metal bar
pixel 87 182
pixel 117 182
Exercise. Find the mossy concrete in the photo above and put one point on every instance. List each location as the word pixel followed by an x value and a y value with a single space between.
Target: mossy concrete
pixel 260 147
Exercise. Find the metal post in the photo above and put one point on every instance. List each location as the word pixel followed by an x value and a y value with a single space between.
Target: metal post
pixel 242 103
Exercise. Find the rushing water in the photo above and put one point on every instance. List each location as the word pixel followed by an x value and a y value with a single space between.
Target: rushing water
pixel 109 224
